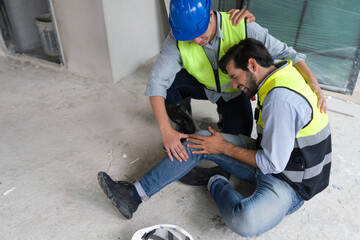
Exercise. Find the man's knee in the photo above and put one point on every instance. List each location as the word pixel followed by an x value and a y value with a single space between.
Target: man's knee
pixel 245 227
pixel 246 222
pixel 192 156
pixel 203 133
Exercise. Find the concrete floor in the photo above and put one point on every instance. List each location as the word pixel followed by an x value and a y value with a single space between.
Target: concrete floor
pixel 57 131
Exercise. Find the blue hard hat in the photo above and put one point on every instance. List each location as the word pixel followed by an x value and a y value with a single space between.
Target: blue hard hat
pixel 189 19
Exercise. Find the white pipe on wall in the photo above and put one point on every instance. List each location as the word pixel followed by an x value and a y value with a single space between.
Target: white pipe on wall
pixel 53 18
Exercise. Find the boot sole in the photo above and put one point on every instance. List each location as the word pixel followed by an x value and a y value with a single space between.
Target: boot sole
pixel 116 202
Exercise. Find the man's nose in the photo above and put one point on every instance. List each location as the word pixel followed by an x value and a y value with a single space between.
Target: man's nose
pixel 234 84
pixel 196 40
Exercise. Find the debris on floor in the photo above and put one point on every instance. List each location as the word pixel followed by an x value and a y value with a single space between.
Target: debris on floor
pixel 9 191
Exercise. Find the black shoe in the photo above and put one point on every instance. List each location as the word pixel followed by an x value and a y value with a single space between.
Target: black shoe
pixel 121 194
pixel 200 176
pixel 180 114
pixel 220 123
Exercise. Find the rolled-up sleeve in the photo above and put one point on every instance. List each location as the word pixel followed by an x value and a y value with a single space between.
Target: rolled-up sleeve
pixel 278 50
pixel 278 139
pixel 167 65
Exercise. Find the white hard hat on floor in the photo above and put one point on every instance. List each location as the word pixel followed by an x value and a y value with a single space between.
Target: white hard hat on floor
pixel 162 232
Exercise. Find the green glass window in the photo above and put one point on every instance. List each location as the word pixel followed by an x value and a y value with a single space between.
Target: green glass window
pixel 327 31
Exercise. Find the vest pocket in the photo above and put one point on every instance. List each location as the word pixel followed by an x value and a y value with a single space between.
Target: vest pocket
pixel 296 164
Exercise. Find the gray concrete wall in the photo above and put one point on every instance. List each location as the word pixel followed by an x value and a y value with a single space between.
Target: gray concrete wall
pixel 82 32
pixel 135 32
pixel 2 46
pixel 109 39
pixel 167 4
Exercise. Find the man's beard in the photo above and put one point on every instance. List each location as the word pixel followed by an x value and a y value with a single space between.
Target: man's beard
pixel 251 86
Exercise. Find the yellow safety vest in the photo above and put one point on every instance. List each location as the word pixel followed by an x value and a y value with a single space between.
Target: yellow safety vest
pixel 290 78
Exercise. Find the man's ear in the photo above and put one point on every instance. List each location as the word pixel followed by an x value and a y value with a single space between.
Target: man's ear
pixel 252 65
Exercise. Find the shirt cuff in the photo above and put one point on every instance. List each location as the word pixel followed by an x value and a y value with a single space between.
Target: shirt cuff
pixel 299 57
pixel 264 164
pixel 150 92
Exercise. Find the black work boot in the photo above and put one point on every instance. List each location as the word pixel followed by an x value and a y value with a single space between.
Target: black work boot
pixel 180 114
pixel 200 176
pixel 121 194
pixel 220 123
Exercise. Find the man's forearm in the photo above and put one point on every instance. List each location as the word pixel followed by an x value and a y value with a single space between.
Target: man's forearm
pixel 216 144
pixel 158 106
pixel 242 154
pixel 307 74
pixel 313 83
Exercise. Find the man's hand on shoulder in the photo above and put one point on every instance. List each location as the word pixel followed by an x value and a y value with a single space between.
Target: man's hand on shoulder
pixel 313 83
pixel 236 15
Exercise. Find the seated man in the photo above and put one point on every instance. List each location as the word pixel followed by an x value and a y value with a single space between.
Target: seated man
pixel 288 163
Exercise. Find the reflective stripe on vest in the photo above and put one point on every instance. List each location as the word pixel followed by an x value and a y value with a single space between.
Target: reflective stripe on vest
pixel 308 168
pixel 197 64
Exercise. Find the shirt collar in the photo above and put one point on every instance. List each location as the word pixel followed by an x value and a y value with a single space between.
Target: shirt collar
pixel 218 27
pixel 279 65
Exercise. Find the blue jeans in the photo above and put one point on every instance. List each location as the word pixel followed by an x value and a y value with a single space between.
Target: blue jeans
pixel 270 202
pixel 237 116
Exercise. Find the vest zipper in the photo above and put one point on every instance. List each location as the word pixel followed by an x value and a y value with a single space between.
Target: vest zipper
pixel 216 72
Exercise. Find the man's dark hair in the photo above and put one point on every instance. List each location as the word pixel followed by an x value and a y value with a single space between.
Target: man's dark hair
pixel 245 49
